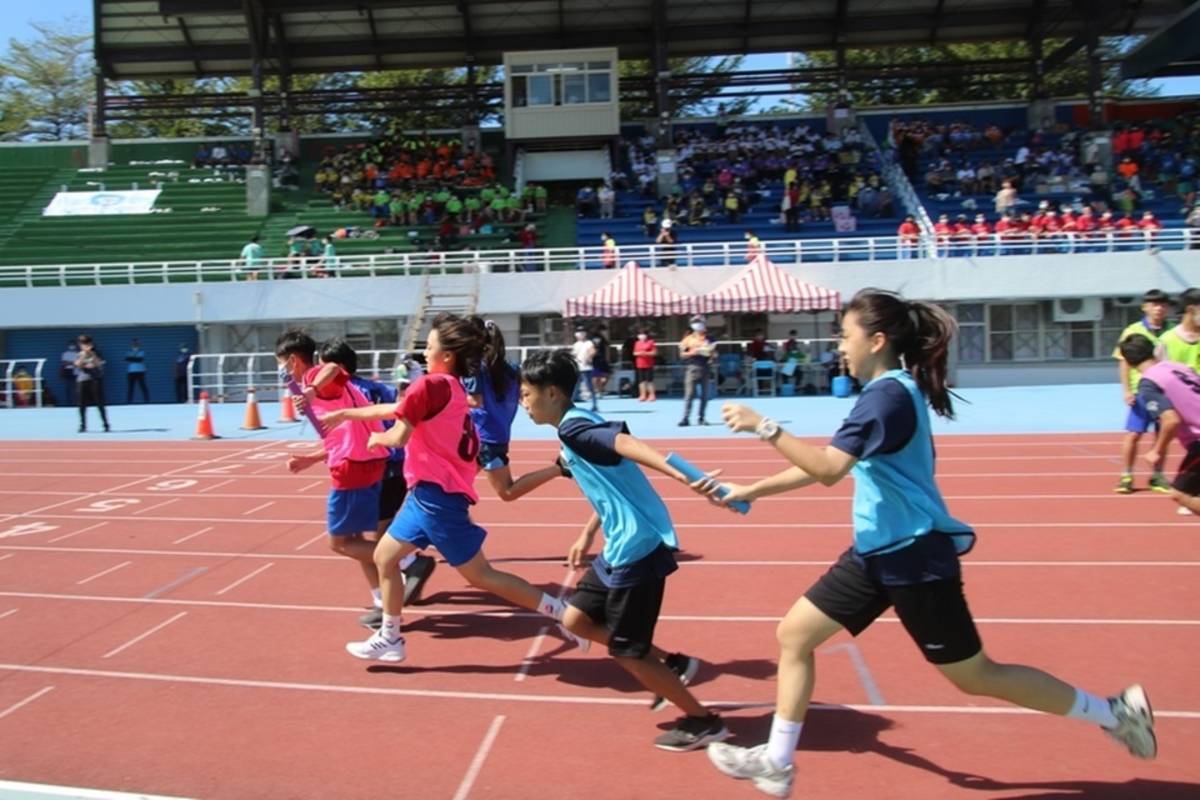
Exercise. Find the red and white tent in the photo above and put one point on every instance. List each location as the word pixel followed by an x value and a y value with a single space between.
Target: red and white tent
pixel 631 293
pixel 762 286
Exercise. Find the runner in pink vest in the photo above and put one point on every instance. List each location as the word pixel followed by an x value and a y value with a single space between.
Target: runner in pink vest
pixel 441 445
pixel 1170 394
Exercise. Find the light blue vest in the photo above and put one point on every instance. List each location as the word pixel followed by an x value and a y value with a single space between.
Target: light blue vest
pixel 895 496
pixel 633 517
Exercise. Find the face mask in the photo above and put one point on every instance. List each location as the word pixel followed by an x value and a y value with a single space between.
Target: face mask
pixel 285 374
pixel 641 337
pixel 580 336
pixel 698 327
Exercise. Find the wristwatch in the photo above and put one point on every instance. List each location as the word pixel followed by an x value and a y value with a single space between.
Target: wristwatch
pixel 767 429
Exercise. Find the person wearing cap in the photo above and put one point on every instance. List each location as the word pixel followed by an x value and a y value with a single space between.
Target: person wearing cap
pixel 1182 342
pixel 1152 325
pixel 666 244
pixel 696 350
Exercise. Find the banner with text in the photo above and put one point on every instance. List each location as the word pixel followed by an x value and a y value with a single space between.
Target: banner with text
pixel 81 204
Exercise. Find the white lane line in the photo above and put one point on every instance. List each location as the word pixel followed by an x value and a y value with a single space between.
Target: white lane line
pixel 218 485
pixel 7 556
pixel 864 672
pixel 183 539
pixel 142 636
pixel 505 613
pixel 76 533
pixel 535 647
pixel 588 700
pixel 102 573
pixel 23 789
pixel 481 755
pixel 314 539
pixel 245 578
pixel 26 701
pixel 9 613
pixel 310 486
pixel 167 503
pixel 266 468
pixel 267 504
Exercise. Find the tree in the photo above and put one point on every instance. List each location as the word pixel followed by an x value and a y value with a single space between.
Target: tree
pixel 47 84
pixel 696 97
pixel 998 74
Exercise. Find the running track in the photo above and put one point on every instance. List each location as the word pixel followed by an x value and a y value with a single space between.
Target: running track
pixel 171 623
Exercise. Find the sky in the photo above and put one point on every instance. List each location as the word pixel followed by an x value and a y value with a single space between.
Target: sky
pixel 17 19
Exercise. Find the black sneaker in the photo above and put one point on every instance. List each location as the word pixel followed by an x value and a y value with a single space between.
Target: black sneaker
pixel 692 733
pixel 683 423
pixel 415 576
pixel 682 665
pixel 705 422
pixel 373 619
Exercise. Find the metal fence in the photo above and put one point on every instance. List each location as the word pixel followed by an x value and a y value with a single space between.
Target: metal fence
pixel 21 382
pixel 703 254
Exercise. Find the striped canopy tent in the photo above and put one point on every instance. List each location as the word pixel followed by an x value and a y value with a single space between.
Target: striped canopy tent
pixel 631 293
pixel 762 286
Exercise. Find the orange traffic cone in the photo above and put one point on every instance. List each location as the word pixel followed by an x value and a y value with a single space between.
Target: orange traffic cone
pixel 287 411
pixel 204 424
pixel 253 421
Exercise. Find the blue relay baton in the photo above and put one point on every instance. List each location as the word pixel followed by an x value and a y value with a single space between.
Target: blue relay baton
pixel 694 473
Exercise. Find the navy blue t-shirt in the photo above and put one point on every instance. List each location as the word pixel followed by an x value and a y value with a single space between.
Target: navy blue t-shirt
pixel 1153 399
pixel 379 394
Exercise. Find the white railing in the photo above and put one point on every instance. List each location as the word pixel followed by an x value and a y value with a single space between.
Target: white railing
pixel 704 254
pixel 19 391
pixel 227 376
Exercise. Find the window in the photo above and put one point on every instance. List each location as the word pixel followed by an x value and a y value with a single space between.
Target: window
pixel 556 84
pixel 541 90
pixel 598 88
pixel 1014 333
pixel 971 333
pixel 574 89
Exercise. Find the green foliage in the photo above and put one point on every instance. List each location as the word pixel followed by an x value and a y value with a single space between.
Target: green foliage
pixel 698 99
pixel 46 84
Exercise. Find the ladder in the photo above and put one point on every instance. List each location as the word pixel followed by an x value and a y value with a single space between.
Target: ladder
pixel 455 294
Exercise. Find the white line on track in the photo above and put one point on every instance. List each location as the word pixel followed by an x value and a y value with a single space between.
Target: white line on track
pixel 102 573
pixel 9 613
pixel 142 636
pixel 594 700
pixel 160 505
pixel 309 486
pixel 38 790
pixel 481 755
pixel 66 536
pixel 26 701
pixel 7 556
pixel 208 489
pixel 536 646
pixel 506 613
pixel 245 578
pixel 313 540
pixel 267 504
pixel 189 536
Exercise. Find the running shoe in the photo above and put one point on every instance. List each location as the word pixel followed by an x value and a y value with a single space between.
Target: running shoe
pixel 373 619
pixel 752 763
pixel 692 733
pixel 1159 483
pixel 1135 722
pixel 415 577
pixel 1183 511
pixel 682 665
pixel 1125 485
pixel 378 648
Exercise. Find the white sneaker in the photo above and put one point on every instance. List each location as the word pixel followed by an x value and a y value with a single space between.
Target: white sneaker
pixel 378 648
pixel 1135 722
pixel 580 642
pixel 752 762
pixel 1183 511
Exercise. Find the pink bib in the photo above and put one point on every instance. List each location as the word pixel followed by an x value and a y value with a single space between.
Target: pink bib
pixel 442 449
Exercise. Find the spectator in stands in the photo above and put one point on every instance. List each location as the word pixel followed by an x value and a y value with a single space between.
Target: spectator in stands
pixel 528 238
pixel 608 256
pixel 89 379
pixel 66 369
pixel 649 221
pixel 584 352
pixel 202 157
pixel 666 244
pixel 328 263
pixel 1006 198
pixel 601 368
pixel 732 208
pixel 135 371
pixel 754 247
pixel 182 364
pixel 251 258
pixel 910 237
pixel 758 348
pixel 791 207
pixel 607 198
pixel 696 350
pixel 1127 168
pixel 645 351
pixel 219 155
pixel 585 201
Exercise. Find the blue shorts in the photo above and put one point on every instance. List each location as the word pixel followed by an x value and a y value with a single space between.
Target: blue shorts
pixel 492 456
pixel 432 516
pixel 352 511
pixel 1138 421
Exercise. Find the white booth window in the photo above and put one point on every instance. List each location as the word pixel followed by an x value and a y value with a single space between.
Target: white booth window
pixel 561 84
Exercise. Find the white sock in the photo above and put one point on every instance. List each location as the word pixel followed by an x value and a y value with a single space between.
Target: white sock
pixel 407 561
pixel 551 607
pixel 781 747
pixel 377 597
pixel 1090 708
pixel 391 627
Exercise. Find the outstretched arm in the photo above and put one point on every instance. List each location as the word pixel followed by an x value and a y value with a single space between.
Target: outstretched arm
pixel 362 413
pixel 635 449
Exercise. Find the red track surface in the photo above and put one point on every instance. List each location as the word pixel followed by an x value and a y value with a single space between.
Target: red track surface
pixel 191 641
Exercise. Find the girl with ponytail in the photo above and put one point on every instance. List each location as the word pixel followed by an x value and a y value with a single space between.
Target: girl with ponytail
pixel 906 546
pixel 494 392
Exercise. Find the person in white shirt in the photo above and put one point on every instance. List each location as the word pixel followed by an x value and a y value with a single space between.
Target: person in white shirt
pixel 607 197
pixel 584 351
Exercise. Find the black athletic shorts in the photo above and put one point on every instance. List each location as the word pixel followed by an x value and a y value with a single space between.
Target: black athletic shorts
pixel 934 613
pixel 629 614
pixel 391 494
pixel 1187 480
pixel 645 374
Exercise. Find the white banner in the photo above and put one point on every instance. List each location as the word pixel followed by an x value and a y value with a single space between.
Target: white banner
pixel 80 204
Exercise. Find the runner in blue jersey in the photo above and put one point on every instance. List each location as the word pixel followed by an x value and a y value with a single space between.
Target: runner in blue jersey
pixel 906 547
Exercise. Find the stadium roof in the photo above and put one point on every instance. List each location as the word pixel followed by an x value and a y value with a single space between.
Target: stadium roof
pixel 175 38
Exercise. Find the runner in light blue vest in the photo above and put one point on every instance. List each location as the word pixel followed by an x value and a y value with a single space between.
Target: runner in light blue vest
pixel 906 544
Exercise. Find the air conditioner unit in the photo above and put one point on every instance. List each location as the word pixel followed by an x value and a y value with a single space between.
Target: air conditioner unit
pixel 1127 302
pixel 1085 309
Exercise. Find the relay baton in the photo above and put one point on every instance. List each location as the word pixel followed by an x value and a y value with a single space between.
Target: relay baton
pixel 694 473
pixel 311 415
